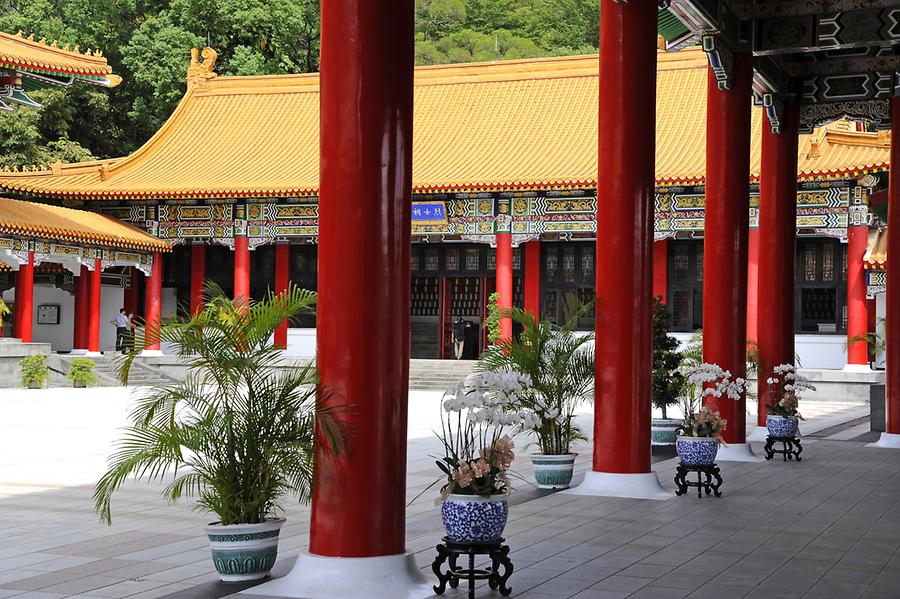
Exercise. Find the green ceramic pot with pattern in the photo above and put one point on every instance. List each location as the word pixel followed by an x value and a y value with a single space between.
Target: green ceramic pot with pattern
pixel 553 471
pixel 662 431
pixel 243 552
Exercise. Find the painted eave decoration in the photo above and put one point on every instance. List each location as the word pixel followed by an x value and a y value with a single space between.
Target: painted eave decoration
pixel 511 125
pixel 56 223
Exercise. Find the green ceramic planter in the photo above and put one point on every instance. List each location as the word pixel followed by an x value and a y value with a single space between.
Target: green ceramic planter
pixel 662 431
pixel 244 551
pixel 553 471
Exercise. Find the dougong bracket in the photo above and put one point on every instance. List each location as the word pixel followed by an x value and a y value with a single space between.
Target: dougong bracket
pixel 721 60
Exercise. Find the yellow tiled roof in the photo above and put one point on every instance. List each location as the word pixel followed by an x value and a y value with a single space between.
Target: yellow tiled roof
pixel 25 53
pixel 21 218
pixel 504 125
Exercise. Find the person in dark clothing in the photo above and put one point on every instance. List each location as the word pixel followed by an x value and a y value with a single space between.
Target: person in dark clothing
pixel 121 322
pixel 459 337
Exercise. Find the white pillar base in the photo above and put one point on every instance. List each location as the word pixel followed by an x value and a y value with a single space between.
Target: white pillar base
pixel 857 368
pixel 93 354
pixel 643 485
pixel 151 353
pixel 737 452
pixel 321 577
pixel 78 352
pixel 887 441
pixel 759 434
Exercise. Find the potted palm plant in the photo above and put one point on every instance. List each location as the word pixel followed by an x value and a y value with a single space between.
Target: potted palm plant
pixel 559 363
pixel 35 371
pixel 785 386
pixel 237 434
pixel 81 372
pixel 668 380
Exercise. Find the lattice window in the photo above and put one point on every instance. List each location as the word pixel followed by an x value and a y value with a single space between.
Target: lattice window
pixel 828 262
pixel 680 264
pixel 492 259
pixel 809 263
pixel 414 261
pixel 587 265
pixel 698 265
pixel 452 259
pixel 432 259
pixel 568 265
pixel 517 259
pixel 551 263
pixel 472 258
pixel 680 309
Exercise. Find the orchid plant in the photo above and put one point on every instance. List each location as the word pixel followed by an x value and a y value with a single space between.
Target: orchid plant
pixel 475 419
pixel 785 387
pixel 708 382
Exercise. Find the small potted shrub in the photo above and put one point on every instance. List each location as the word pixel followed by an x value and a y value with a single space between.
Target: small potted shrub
pixel 493 318
pixel 35 371
pixel 478 455
pixel 701 433
pixel 238 432
pixel 785 387
pixel 668 380
pixel 559 365
pixel 81 372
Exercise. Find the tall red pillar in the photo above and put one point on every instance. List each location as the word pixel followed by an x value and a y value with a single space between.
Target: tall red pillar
pixel 24 316
pixel 504 280
pixel 198 276
pixel 242 270
pixel 626 150
pixel 95 285
pixel 725 234
pixel 891 436
pixel 364 270
pixel 82 301
pixel 857 314
pixel 533 278
pixel 282 280
pixel 153 305
pixel 778 226
pixel 753 280
pixel 660 269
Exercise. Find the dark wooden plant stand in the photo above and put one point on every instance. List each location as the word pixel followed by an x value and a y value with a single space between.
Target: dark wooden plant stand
pixel 449 550
pixel 710 484
pixel 790 448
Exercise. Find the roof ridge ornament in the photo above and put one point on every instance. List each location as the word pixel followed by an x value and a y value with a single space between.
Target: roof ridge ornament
pixel 199 73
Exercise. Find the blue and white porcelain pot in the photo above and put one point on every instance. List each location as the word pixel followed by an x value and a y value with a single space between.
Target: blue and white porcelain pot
pixel 553 471
pixel 696 451
pixel 244 551
pixel 779 426
pixel 474 519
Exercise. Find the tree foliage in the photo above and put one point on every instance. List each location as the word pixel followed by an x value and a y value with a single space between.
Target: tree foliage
pixel 667 379
pixel 148 43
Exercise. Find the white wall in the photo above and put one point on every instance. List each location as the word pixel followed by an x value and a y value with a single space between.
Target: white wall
pixel 813 351
pixel 301 343
pixel 59 336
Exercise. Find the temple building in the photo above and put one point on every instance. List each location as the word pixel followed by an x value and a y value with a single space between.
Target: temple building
pixel 505 195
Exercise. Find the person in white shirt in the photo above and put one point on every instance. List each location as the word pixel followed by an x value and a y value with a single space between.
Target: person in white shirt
pixel 122 322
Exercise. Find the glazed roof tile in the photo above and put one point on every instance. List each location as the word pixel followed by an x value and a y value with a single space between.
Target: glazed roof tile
pixel 504 125
pixel 42 221
pixel 25 53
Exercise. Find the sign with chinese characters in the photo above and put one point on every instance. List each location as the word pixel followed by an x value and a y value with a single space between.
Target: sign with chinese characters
pixel 426 213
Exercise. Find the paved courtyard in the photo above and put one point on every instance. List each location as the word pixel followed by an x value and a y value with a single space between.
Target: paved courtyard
pixel 826 527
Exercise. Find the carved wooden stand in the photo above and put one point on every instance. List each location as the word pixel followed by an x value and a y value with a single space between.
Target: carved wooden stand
pixel 790 448
pixel 710 471
pixel 498 552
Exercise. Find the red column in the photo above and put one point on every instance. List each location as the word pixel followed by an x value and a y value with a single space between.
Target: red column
pixel 25 300
pixel 533 278
pixel 753 279
pixel 128 297
pixel 725 233
pixel 778 226
pixel 82 300
pixel 153 304
pixel 282 280
pixel 660 268
pixel 892 280
pixel 95 285
pixel 241 270
pixel 504 280
pixel 626 149
pixel 364 270
pixel 198 276
pixel 857 315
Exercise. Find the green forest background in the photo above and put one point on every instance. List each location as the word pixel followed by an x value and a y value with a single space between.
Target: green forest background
pixel 148 43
